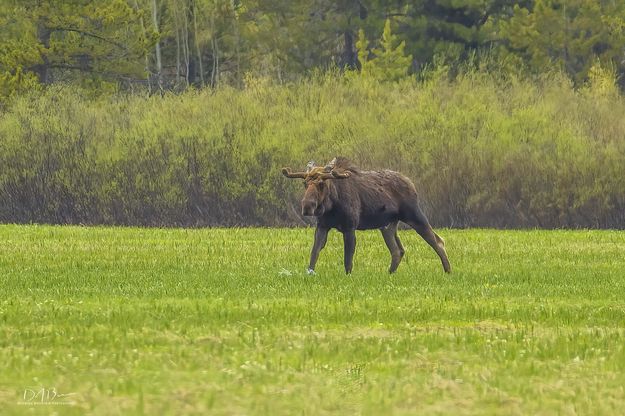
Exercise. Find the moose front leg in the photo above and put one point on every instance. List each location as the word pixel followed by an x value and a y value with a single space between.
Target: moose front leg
pixel 349 243
pixel 321 236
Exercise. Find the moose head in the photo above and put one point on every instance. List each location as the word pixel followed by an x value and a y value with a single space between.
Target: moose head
pixel 317 187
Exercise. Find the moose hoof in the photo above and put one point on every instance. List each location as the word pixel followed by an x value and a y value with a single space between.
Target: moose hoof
pixel 310 272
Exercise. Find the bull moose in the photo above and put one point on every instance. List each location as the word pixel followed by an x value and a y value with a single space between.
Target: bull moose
pixel 344 197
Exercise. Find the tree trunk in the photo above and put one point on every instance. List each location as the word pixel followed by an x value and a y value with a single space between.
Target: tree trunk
pixel 147 57
pixel 185 46
pixel 177 56
pixel 43 36
pixel 215 71
pixel 197 45
pixel 237 37
pixel 215 53
pixel 159 65
pixel 350 56
pixel 192 64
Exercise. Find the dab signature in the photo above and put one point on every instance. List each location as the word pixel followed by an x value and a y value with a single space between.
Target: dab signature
pixel 43 395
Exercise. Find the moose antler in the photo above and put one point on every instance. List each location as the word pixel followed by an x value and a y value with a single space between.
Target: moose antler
pixel 335 175
pixel 340 175
pixel 287 172
pixel 328 172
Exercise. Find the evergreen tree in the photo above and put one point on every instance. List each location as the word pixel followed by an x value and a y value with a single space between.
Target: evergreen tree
pixel 60 40
pixel 178 43
pixel 570 34
pixel 390 62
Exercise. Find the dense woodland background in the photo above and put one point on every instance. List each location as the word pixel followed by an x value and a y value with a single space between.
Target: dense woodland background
pixel 181 112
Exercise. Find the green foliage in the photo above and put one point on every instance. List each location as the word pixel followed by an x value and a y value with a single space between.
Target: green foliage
pixel 447 29
pixel 160 45
pixel 602 82
pixel 570 34
pixel 362 47
pixel 482 150
pixel 15 83
pixel 225 321
pixel 389 62
pixel 69 40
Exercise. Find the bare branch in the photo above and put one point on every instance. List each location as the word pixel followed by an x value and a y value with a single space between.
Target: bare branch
pixel 89 34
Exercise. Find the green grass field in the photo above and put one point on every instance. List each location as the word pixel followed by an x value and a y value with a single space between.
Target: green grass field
pixel 225 321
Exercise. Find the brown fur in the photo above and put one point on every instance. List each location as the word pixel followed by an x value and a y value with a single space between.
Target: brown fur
pixel 344 197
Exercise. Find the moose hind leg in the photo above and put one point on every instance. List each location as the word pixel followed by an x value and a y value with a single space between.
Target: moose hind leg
pixel 399 244
pixel 434 240
pixel 394 245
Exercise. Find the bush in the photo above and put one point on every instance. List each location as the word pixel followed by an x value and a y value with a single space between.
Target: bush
pixel 482 150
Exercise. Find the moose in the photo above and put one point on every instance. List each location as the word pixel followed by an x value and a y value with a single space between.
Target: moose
pixel 344 197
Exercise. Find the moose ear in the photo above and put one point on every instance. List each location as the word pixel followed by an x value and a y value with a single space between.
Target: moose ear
pixel 330 165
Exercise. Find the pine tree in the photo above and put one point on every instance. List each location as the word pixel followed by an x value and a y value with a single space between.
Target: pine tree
pixel 571 35
pixel 65 40
pixel 390 63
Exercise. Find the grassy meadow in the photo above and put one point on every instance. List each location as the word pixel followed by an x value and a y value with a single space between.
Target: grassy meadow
pixel 225 321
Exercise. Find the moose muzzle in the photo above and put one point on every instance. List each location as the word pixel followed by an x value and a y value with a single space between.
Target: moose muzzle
pixel 310 207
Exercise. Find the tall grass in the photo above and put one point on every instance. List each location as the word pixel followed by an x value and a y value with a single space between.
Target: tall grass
pixel 483 150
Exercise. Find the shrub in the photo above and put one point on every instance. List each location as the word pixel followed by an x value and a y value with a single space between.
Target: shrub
pixel 482 150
